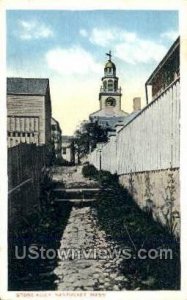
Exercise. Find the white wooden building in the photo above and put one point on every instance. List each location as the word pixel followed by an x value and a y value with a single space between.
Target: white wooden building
pixel 68 154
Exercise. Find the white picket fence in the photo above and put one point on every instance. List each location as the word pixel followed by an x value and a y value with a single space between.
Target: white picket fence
pixel 148 142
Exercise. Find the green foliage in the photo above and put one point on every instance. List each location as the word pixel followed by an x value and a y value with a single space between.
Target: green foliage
pixel 131 184
pixel 105 178
pixel 88 136
pixel 89 171
pixel 148 194
pixel 43 228
pixel 170 214
pixel 50 154
pixel 148 187
pixel 129 226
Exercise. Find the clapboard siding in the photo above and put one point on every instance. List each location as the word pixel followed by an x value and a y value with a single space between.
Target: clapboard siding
pixel 109 164
pixel 149 142
pixel 22 104
pixel 26 105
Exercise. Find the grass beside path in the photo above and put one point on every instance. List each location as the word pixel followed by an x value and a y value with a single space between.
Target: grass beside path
pixel 124 222
pixel 41 229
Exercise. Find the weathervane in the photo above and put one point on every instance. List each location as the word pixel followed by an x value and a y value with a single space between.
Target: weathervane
pixel 109 55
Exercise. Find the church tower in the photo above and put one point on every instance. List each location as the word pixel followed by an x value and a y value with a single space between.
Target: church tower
pixel 110 93
pixel 110 111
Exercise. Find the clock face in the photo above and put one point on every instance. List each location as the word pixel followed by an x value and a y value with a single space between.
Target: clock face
pixel 110 101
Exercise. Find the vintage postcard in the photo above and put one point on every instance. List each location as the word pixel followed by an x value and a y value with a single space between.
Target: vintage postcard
pixel 93 156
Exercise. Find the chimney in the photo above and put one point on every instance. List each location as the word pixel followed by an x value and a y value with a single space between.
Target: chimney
pixel 136 104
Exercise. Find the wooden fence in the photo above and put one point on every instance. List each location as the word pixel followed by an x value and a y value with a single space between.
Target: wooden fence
pixel 26 168
pixel 148 142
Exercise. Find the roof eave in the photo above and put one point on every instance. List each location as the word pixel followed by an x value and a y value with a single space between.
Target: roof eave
pixel 165 58
pixel 25 94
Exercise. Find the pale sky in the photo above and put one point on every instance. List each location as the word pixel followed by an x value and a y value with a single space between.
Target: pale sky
pixel 69 47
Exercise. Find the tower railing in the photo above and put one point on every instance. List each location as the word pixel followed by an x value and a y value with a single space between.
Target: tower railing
pixel 106 90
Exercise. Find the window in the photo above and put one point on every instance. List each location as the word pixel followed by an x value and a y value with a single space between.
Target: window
pixel 63 150
pixel 110 101
pixel 110 85
pixel 115 85
pixel 105 85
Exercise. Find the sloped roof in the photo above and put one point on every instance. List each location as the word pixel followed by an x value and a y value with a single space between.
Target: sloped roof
pixel 67 138
pixel 27 86
pixel 108 114
pixel 131 117
pixel 55 123
pixel 171 50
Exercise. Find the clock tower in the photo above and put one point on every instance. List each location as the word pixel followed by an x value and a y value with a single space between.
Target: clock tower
pixel 109 97
pixel 110 93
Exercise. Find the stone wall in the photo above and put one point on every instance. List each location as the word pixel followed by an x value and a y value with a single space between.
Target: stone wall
pixel 155 190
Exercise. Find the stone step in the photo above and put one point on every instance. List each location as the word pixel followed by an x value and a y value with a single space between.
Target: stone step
pixel 75 189
pixel 75 200
pixel 75 193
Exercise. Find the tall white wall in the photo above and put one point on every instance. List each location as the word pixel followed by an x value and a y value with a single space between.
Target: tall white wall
pixel 149 142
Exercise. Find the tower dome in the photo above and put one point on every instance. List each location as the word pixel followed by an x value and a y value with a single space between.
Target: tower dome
pixel 110 68
pixel 110 64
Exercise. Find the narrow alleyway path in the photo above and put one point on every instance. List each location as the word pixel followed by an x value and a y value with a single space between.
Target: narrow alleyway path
pixel 72 177
pixel 86 260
